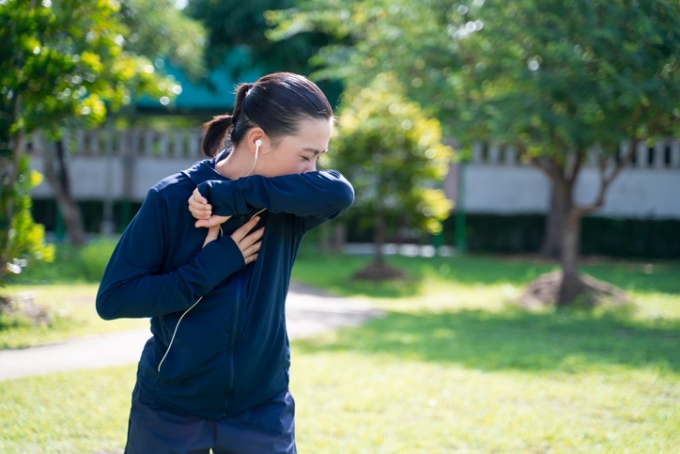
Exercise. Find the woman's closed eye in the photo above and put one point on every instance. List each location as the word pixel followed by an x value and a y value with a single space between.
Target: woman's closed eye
pixel 305 158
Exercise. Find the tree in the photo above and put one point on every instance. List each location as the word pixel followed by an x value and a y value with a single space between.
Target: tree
pixel 21 237
pixel 59 64
pixel 158 30
pixel 394 156
pixel 553 78
pixel 237 24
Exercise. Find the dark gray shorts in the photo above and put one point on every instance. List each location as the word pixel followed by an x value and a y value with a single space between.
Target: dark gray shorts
pixel 268 428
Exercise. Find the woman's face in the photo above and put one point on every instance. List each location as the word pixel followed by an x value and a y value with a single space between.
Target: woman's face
pixel 296 154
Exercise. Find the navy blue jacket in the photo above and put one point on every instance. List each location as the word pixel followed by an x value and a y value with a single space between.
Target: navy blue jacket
pixel 231 350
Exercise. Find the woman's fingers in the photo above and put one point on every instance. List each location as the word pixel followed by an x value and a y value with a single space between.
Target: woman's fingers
pixel 250 250
pixel 199 211
pixel 249 244
pixel 250 253
pixel 212 235
pixel 199 198
pixel 198 206
pixel 212 221
pixel 252 238
pixel 242 231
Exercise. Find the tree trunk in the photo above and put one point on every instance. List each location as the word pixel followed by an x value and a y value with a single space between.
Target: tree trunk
pixel 60 182
pixel 571 284
pixel 379 238
pixel 339 238
pixel 324 241
pixel 555 218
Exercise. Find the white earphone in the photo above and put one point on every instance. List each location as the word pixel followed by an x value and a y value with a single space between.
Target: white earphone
pixel 258 142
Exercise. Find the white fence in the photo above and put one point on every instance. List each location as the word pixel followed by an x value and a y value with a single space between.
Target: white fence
pixel 496 182
pixel 107 164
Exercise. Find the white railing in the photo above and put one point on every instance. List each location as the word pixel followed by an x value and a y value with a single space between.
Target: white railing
pixel 116 165
pixel 182 143
pixel 663 153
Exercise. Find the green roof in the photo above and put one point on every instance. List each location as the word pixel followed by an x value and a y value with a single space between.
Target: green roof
pixel 202 96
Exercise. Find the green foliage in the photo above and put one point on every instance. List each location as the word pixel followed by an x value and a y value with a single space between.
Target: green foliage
pixel 95 256
pixel 64 61
pixel 553 78
pixel 551 75
pixel 60 62
pixel 558 76
pixel 237 24
pixel 392 153
pixel 21 240
pixel 71 264
pixel 14 322
pixel 159 30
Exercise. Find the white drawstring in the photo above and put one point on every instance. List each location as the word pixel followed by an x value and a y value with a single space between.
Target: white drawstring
pixel 174 333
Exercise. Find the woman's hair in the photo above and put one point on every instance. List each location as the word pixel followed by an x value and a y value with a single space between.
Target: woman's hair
pixel 276 103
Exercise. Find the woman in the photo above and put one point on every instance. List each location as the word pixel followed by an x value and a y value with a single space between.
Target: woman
pixel 215 373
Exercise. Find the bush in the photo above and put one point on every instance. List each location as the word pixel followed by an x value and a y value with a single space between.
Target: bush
pixel 22 240
pixel 71 264
pixel 95 256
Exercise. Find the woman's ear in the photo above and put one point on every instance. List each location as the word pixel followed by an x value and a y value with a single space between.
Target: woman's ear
pixel 255 135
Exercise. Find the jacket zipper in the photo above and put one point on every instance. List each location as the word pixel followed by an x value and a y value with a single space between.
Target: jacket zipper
pixel 232 369
pixel 232 344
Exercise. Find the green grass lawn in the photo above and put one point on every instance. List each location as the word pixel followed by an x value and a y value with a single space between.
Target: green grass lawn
pixel 451 368
pixel 73 314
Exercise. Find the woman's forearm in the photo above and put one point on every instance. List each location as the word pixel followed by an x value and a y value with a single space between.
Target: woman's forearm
pixel 325 194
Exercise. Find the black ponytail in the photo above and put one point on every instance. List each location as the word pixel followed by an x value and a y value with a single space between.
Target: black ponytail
pixel 214 133
pixel 276 103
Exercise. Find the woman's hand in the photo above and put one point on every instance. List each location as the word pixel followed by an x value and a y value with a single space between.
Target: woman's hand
pixel 248 244
pixel 212 234
pixel 201 210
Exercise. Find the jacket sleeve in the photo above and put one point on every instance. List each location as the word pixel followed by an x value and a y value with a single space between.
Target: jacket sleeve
pixel 320 196
pixel 134 287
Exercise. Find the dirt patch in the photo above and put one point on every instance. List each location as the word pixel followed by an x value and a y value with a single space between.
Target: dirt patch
pixel 378 272
pixel 23 305
pixel 545 289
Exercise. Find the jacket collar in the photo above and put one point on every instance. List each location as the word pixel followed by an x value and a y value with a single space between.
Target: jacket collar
pixel 205 170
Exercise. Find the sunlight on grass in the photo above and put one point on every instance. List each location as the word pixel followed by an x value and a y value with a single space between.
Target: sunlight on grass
pixel 75 412
pixel 74 314
pixel 358 402
pixel 452 367
pixel 488 283
pixel 351 402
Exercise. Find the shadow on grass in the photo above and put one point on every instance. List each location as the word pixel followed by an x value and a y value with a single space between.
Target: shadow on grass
pixel 333 272
pixel 513 340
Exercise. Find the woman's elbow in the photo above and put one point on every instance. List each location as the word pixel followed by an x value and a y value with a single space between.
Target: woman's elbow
pixel 345 196
pixel 104 307
pixel 349 195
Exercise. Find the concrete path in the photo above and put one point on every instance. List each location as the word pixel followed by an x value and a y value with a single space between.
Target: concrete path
pixel 308 312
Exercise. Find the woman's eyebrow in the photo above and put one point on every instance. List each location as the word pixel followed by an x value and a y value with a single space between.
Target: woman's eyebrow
pixel 314 150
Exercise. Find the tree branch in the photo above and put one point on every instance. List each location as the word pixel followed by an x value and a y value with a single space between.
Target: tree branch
pixel 605 182
pixel 623 162
pixel 571 178
pixel 551 173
